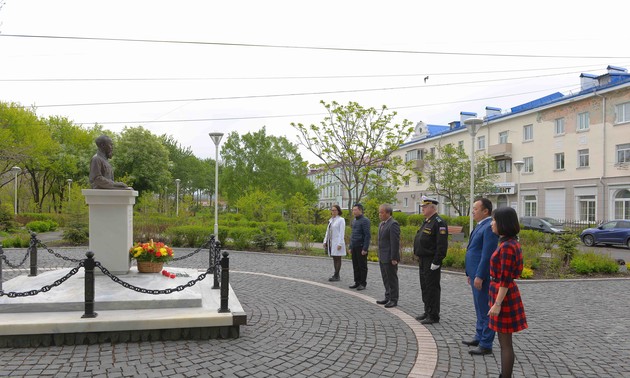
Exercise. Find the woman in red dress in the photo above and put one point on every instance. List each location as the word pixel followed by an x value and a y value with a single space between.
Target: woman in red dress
pixel 506 314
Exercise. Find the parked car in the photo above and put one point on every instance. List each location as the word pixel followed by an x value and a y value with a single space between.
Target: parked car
pixel 543 224
pixel 613 232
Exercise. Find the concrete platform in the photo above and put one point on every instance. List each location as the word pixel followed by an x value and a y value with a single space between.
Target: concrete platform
pixel 55 317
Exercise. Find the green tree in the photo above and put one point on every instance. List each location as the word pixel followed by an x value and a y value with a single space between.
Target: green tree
pixel 258 205
pixel 141 160
pixel 356 145
pixel 450 171
pixel 257 161
pixel 298 209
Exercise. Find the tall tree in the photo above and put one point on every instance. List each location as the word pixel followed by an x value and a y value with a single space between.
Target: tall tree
pixel 450 176
pixel 141 160
pixel 356 145
pixel 265 162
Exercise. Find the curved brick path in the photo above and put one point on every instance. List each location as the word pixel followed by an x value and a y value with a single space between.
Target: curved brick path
pixel 300 325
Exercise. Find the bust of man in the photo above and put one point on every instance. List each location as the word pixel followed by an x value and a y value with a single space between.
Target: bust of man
pixel 101 172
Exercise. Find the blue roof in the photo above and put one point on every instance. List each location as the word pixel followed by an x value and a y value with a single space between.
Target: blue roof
pixel 538 102
pixel 589 76
pixel 468 113
pixel 436 129
pixel 493 108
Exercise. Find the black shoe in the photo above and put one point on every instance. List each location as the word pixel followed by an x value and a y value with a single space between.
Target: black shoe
pixel 333 278
pixel 356 285
pixel 421 317
pixel 391 304
pixel 429 320
pixel 478 351
pixel 384 301
pixel 361 287
pixel 470 342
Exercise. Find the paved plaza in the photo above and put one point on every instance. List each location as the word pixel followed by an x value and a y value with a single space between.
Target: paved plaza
pixel 301 325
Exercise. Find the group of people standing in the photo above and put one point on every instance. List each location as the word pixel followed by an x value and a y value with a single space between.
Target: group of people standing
pixel 493 261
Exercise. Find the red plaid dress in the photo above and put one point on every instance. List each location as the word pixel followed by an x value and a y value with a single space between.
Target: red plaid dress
pixel 506 264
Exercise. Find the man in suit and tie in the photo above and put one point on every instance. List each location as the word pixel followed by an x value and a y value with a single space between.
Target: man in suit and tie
pixel 481 244
pixel 388 254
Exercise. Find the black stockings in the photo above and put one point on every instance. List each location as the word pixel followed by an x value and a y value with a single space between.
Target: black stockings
pixel 507 354
pixel 337 264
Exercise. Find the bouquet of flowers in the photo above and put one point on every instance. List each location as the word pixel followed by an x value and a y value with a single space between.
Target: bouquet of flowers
pixel 153 252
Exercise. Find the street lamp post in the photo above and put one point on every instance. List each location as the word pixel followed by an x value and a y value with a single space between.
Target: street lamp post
pixel 17 171
pixel 69 188
pixel 519 165
pixel 177 181
pixel 216 138
pixel 473 125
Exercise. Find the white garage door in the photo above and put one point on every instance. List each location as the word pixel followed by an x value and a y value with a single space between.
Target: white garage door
pixel 555 203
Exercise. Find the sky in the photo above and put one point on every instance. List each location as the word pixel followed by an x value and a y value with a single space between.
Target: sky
pixel 188 68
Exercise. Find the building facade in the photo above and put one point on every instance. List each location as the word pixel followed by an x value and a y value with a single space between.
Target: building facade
pixel 575 151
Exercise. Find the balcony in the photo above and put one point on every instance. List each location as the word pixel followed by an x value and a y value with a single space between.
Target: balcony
pixel 498 150
pixel 419 165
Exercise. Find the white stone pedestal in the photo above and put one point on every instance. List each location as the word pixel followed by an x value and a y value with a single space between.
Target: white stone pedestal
pixel 111 226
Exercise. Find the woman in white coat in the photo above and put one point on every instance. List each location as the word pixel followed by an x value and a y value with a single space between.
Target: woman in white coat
pixel 334 241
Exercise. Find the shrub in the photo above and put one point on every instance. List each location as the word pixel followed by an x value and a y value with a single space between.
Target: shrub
pixel 568 247
pixel 401 218
pixel 416 220
pixel 407 236
pixel 77 234
pixel 242 236
pixel 591 262
pixel 264 239
pixel 16 241
pixel 455 256
pixel 188 236
pixel 282 236
pixel 6 218
pixel 527 273
pixel 41 226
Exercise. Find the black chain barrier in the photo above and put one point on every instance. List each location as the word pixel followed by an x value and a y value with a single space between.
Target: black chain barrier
pixel 46 288
pixel 205 245
pixel 56 254
pixel 4 258
pixel 127 285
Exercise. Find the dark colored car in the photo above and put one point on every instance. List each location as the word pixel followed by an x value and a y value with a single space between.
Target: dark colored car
pixel 543 224
pixel 613 232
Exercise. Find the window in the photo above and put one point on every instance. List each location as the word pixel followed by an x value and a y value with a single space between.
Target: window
pixel 622 204
pixel 412 155
pixel 559 160
pixel 432 151
pixel 460 144
pixel 558 126
pixel 622 112
pixel 481 142
pixel 406 202
pixel 432 177
pixel 582 121
pixel 503 137
pixel 623 153
pixel 587 208
pixel 529 164
pixel 583 158
pixel 531 206
pixel 501 166
pixel 528 133
pixel 407 182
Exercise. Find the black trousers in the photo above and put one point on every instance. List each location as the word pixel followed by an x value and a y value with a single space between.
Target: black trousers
pixel 389 273
pixel 430 287
pixel 360 266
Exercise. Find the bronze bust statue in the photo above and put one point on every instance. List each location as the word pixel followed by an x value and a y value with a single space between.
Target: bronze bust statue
pixel 101 172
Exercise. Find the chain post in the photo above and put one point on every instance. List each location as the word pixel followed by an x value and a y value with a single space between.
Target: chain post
pixel 32 246
pixel 214 261
pixel 89 286
pixel 1 269
pixel 225 282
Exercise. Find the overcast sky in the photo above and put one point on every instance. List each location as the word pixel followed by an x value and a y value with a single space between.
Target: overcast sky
pixel 218 61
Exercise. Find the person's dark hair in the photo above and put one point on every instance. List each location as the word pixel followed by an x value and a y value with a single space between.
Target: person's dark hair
pixel 338 209
pixel 101 140
pixel 485 203
pixel 506 220
pixel 358 206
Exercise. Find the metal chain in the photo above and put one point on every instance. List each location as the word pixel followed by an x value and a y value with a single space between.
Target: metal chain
pixel 4 258
pixel 191 253
pixel 46 288
pixel 150 291
pixel 40 244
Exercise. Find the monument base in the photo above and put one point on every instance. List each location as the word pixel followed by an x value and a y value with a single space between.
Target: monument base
pixel 123 315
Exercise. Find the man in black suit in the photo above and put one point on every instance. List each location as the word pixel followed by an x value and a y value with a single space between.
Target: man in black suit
pixel 388 254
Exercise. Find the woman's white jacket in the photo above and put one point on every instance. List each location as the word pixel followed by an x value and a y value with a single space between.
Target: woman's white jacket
pixel 335 236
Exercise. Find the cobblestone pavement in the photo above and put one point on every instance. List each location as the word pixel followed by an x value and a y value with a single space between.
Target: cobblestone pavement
pixel 576 329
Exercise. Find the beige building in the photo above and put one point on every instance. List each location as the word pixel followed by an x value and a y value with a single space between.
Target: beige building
pixel 575 149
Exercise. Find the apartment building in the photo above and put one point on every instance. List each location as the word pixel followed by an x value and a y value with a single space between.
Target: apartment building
pixel 575 149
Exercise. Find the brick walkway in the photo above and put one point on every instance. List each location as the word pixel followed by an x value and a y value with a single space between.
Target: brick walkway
pixel 300 325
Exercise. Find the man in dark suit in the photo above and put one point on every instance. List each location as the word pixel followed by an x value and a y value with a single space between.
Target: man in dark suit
pixel 481 243
pixel 388 254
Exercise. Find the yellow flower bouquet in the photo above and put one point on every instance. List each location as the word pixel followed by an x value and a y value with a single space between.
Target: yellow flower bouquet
pixel 153 252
